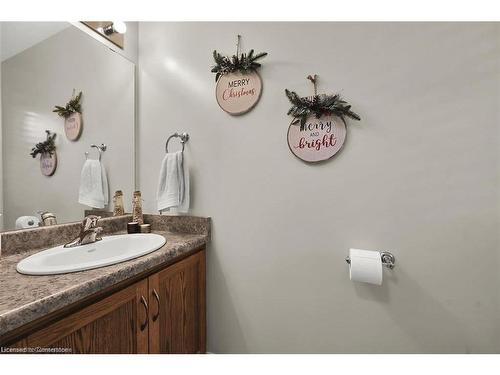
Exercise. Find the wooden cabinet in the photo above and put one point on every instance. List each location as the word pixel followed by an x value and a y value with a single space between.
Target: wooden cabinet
pixel 177 323
pixel 162 313
pixel 116 324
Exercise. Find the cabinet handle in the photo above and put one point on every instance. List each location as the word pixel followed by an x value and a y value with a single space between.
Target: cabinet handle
pixel 146 308
pixel 157 297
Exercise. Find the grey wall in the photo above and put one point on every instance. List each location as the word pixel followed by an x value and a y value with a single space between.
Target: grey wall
pixel 418 176
pixel 41 77
pixel 21 35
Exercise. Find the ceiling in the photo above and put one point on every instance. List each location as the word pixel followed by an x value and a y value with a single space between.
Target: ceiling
pixel 19 36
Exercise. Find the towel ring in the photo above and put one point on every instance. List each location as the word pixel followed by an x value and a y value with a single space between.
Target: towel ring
pixel 184 138
pixel 100 148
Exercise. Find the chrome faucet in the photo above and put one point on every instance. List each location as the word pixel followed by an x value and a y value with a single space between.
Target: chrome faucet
pixel 89 232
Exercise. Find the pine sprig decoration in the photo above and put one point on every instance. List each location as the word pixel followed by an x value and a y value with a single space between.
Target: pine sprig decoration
pixel 73 106
pixel 46 147
pixel 318 105
pixel 244 63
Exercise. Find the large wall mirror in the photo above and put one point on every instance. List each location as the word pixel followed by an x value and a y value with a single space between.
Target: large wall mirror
pixel 45 64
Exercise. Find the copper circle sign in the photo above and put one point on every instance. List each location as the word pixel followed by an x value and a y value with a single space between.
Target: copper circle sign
pixel 237 93
pixel 318 139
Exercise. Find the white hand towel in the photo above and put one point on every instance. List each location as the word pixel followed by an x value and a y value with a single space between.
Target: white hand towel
pixel 93 185
pixel 184 204
pixel 173 184
pixel 105 186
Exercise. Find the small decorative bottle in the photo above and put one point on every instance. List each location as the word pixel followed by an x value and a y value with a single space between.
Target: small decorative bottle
pixel 137 208
pixel 118 209
pixel 48 218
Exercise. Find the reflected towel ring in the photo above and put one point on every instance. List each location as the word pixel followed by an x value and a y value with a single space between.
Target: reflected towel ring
pixel 100 148
pixel 184 138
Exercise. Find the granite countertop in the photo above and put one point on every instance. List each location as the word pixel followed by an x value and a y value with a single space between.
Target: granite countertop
pixel 24 298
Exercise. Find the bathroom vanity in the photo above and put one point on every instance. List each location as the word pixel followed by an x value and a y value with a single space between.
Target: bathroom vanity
pixel 151 304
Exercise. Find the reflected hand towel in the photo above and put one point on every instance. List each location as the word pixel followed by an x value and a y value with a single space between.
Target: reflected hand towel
pixel 93 185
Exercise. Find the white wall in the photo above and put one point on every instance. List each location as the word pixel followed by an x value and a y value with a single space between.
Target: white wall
pixel 418 176
pixel 41 77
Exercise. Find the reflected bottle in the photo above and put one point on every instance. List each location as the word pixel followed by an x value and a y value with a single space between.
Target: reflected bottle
pixel 137 208
pixel 118 209
pixel 48 218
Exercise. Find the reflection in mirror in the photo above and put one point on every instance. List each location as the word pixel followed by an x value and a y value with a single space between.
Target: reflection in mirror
pixel 48 64
pixel 111 30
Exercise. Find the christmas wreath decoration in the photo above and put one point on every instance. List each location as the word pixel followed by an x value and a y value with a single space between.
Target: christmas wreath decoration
pixel 318 105
pixel 73 106
pixel 243 63
pixel 46 147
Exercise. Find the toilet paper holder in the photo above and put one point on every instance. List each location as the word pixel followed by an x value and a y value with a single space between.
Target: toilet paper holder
pixel 388 259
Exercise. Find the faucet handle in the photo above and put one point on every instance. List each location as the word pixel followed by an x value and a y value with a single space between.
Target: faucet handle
pixel 90 222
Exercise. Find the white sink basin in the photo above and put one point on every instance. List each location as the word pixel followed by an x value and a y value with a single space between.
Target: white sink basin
pixel 110 250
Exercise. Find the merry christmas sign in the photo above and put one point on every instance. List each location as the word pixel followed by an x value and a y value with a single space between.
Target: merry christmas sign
pixel 238 92
pixel 239 86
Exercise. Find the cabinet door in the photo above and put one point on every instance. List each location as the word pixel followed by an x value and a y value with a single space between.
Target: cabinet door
pixel 177 312
pixel 116 324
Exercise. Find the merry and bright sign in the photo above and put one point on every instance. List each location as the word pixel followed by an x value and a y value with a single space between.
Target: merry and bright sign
pixel 318 139
pixel 48 164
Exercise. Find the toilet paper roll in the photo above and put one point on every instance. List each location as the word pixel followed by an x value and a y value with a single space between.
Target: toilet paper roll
pixel 366 266
pixel 24 222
